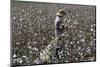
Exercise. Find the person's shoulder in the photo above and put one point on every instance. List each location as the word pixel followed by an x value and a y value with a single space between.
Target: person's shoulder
pixel 57 19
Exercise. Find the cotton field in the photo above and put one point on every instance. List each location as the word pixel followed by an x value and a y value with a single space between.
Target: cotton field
pixel 33 30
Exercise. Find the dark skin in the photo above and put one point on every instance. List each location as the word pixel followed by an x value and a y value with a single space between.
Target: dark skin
pixel 60 16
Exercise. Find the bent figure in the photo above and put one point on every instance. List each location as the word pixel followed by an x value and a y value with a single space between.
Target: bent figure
pixel 50 54
pixel 58 22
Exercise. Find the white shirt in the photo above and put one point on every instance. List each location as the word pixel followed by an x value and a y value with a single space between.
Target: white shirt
pixel 57 19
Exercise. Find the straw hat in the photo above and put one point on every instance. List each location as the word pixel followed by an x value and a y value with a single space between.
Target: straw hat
pixel 60 13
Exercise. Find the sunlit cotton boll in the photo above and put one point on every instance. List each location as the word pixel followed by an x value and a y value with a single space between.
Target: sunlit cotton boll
pixel 29 47
pixel 19 60
pixel 92 25
pixel 91 29
pixel 14 17
pixel 68 21
pixel 21 19
pixel 79 48
pixel 42 56
pixel 30 52
pixel 14 55
pixel 92 58
pixel 71 42
pixel 65 19
pixel 44 38
pixel 15 61
pixel 75 22
pixel 80 31
pixel 37 61
pixel 35 42
pixel 71 26
pixel 66 61
pixel 88 50
pixel 17 43
pixel 63 35
pixel 77 42
pixel 24 56
pixel 35 49
pixel 83 40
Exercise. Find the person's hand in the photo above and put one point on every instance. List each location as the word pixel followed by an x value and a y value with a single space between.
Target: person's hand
pixel 62 27
pixel 66 27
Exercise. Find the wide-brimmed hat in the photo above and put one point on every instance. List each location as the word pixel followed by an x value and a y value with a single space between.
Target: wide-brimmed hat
pixel 60 13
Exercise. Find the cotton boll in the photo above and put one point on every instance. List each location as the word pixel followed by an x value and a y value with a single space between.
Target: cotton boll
pixel 17 43
pixel 15 61
pixel 35 49
pixel 24 56
pixel 91 29
pixel 14 56
pixel 19 60
pixel 83 40
pixel 29 47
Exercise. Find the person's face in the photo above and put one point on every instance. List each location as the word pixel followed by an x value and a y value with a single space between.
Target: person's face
pixel 60 16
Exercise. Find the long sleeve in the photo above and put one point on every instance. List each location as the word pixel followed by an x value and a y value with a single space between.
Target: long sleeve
pixel 57 25
pixel 57 20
